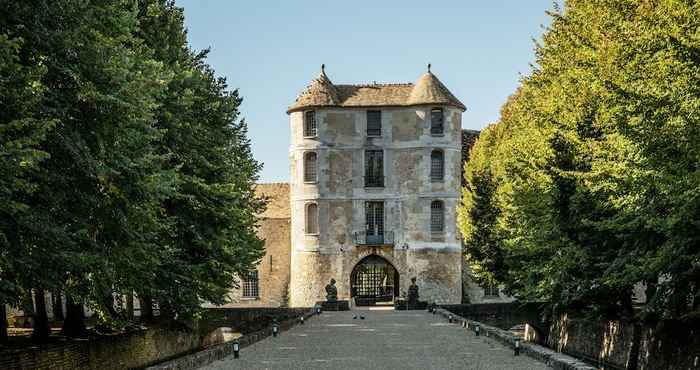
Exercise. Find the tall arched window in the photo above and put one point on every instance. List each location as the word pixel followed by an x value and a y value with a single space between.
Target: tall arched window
pixel 437 217
pixel 310 163
pixel 312 218
pixel 437 165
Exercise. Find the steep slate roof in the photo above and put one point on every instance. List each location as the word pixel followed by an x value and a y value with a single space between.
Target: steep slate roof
pixel 323 93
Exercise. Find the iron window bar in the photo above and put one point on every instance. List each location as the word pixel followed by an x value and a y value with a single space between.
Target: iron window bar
pixel 370 237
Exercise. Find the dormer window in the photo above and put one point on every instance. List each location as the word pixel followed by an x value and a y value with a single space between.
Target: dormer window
pixel 374 123
pixel 437 122
pixel 310 129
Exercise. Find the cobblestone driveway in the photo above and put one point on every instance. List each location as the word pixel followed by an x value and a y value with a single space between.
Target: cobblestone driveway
pixel 384 340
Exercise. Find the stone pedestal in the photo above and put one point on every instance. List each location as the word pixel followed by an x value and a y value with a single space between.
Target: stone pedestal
pixel 334 306
pixel 402 304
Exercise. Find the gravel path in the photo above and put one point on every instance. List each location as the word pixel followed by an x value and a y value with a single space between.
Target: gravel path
pixel 384 340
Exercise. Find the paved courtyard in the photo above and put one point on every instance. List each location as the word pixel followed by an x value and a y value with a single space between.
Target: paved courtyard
pixel 384 340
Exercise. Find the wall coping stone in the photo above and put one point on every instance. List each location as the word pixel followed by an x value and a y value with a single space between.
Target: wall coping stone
pixel 556 360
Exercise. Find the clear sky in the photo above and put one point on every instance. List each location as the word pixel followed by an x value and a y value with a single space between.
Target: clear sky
pixel 270 50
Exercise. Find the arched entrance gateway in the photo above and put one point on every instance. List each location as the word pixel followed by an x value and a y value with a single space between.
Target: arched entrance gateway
pixel 374 281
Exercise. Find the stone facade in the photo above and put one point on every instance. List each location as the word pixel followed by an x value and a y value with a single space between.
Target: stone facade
pixel 340 193
pixel 273 268
pixel 340 144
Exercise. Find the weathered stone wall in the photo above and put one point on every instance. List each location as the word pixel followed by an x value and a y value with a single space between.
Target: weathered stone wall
pixel 668 345
pixel 274 267
pixel 245 320
pixel 125 351
pixel 503 315
pixel 407 193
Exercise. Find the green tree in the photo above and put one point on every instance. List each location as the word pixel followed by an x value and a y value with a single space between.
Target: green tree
pixel 595 163
pixel 213 212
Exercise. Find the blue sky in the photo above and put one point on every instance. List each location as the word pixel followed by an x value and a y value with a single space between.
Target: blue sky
pixel 270 50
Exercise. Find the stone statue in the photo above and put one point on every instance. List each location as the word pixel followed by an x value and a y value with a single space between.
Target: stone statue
pixel 331 292
pixel 413 292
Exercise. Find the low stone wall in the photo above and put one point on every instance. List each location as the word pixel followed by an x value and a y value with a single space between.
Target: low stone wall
pixel 503 315
pixel 246 320
pixel 123 351
pixel 555 360
pixel 219 351
pixel 616 344
pixel 148 347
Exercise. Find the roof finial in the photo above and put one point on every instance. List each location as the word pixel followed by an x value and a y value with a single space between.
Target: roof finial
pixel 323 68
pixel 428 67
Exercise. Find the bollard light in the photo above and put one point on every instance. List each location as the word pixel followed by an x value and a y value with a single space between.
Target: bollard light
pixel 464 324
pixel 318 310
pixel 301 319
pixel 517 346
pixel 236 348
pixel 477 330
pixel 275 329
pixel 449 319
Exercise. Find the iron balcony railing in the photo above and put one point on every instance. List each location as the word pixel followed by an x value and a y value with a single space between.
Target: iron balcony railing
pixel 374 181
pixel 372 238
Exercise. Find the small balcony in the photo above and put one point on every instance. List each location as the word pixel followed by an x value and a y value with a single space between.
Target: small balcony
pixel 374 181
pixel 367 238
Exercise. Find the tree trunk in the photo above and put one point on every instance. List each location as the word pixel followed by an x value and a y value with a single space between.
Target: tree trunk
pixel 146 303
pixel 130 306
pixel 166 311
pixel 57 301
pixel 74 324
pixel 42 330
pixel 108 303
pixel 633 361
pixel 3 323
pixel 27 304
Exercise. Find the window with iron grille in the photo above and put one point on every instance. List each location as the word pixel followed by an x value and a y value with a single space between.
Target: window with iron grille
pixel 490 290
pixel 437 165
pixel 310 163
pixel 374 221
pixel 312 218
pixel 437 119
pixel 251 284
pixel 374 168
pixel 374 123
pixel 310 124
pixel 437 217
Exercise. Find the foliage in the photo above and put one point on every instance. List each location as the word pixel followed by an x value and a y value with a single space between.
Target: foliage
pixel 125 166
pixel 592 177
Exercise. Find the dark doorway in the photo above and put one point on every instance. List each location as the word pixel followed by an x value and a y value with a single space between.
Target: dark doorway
pixel 374 281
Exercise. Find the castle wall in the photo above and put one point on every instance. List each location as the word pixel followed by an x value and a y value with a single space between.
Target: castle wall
pixel 274 267
pixel 435 259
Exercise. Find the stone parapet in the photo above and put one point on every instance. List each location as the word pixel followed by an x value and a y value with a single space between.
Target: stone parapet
pixel 219 351
pixel 552 358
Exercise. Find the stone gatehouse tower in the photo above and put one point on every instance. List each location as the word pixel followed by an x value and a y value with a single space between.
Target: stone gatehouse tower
pixel 375 183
